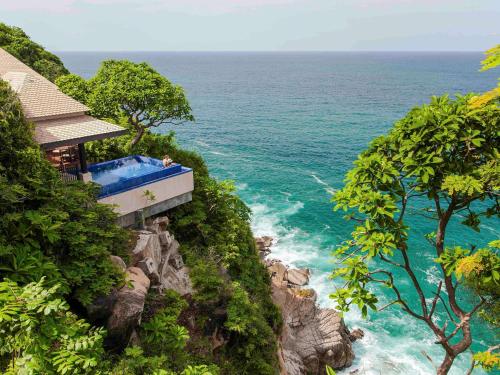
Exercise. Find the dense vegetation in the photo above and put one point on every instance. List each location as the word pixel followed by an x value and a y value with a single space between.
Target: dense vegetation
pixel 443 157
pixel 49 228
pixel 17 43
pixel 214 231
pixel 55 242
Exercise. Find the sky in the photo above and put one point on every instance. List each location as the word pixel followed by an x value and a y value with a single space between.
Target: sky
pixel 257 25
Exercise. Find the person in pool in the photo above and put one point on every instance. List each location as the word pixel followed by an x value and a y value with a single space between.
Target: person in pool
pixel 167 161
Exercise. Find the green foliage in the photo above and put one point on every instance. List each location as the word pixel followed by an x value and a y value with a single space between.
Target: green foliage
pixel 48 228
pixel 74 86
pixel 162 333
pixel 213 228
pixel 39 335
pixel 18 44
pixel 136 92
pixel 215 233
pixel 330 371
pixel 445 156
pixel 487 360
pixel 492 59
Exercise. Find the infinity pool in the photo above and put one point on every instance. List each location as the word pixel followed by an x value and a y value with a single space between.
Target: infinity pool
pixel 127 173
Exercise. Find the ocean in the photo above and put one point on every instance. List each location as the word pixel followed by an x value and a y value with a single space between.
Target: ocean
pixel 286 127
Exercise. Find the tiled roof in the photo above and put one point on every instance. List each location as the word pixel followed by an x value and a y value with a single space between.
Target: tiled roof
pixel 40 98
pixel 74 130
pixel 59 119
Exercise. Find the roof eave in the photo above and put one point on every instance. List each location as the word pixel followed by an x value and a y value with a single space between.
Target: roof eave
pixel 75 141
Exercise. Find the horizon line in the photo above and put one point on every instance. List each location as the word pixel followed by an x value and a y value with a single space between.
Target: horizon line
pixel 277 51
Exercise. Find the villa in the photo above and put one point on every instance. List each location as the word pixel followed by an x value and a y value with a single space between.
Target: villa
pixel 137 186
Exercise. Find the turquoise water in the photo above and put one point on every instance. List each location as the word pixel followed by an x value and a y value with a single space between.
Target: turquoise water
pixel 286 127
pixel 125 169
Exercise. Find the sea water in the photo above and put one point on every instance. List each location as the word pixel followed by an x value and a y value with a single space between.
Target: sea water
pixel 286 127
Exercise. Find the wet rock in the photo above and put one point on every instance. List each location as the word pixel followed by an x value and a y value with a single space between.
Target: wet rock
pixel 356 334
pixel 311 337
pixel 264 244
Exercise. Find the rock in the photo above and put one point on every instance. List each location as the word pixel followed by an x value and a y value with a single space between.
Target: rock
pixel 311 337
pixel 264 244
pixel 278 273
pixel 298 277
pixel 292 363
pixel 165 239
pixel 117 261
pixel 178 280
pixel 147 246
pixel 176 261
pixel 163 221
pixel 173 274
pixel 150 269
pixel 101 308
pixel 356 334
pixel 157 225
pixel 127 309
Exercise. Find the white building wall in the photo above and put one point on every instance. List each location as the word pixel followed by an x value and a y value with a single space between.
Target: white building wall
pixel 136 199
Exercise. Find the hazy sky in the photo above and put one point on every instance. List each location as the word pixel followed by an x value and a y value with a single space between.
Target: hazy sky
pixel 257 24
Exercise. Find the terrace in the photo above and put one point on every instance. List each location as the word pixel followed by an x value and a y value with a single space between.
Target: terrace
pixel 136 186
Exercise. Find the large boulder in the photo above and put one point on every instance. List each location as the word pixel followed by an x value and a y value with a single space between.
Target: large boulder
pixel 127 310
pixel 298 277
pixel 173 273
pixel 311 337
pixel 264 245
pixel 147 246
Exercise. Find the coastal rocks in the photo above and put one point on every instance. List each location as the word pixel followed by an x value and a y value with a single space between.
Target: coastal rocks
pixel 298 277
pixel 311 337
pixel 316 336
pixel 356 334
pixel 127 309
pixel 264 245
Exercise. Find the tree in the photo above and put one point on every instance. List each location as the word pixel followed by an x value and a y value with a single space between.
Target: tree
pixel 134 91
pixel 443 156
pixel 17 43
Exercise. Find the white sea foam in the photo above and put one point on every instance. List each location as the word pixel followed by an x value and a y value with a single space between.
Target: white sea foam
pixel 218 153
pixel 201 143
pixel 330 190
pixel 381 351
pixel 241 186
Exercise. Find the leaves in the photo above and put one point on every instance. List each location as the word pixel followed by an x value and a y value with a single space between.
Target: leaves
pixel 40 335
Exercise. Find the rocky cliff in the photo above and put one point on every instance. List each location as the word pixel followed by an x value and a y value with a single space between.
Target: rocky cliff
pixel 311 337
pixel 155 262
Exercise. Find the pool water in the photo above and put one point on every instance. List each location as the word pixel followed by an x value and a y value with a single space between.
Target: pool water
pixel 128 173
pixel 123 169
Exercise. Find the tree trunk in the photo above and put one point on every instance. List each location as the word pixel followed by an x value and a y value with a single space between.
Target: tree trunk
pixel 445 365
pixel 138 136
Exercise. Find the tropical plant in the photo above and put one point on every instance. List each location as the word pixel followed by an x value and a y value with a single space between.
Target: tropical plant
pixel 133 91
pixel 39 335
pixel 48 228
pixel 491 61
pixel 444 157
